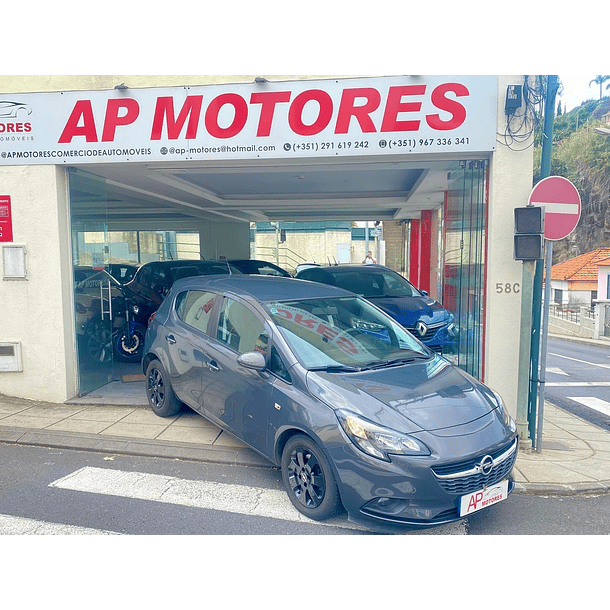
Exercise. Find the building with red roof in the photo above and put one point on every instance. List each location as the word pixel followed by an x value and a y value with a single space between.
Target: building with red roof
pixel 582 279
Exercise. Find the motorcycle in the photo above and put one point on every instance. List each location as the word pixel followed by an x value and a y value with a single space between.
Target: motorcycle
pixel 124 340
pixel 129 342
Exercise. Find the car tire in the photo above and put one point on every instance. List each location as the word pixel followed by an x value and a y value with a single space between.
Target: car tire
pixel 308 479
pixel 161 397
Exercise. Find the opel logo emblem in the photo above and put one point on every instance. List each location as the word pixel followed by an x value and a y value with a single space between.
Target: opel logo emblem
pixel 421 329
pixel 486 465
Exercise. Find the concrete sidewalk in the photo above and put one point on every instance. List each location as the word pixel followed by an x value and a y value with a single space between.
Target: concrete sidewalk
pixel 575 456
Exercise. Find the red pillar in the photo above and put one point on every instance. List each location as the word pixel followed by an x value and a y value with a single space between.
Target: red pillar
pixel 414 253
pixel 425 251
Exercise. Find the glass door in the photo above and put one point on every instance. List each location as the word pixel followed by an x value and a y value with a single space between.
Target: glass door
pixel 95 290
pixel 465 219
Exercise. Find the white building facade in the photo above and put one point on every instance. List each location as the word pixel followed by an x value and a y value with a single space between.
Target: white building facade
pixel 210 155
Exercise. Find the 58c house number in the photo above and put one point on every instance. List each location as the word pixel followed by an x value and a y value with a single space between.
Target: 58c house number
pixel 508 288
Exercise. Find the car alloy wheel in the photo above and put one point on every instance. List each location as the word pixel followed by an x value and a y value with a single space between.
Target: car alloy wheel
pixel 161 397
pixel 308 479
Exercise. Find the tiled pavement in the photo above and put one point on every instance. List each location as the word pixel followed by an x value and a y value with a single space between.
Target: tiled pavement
pixel 575 456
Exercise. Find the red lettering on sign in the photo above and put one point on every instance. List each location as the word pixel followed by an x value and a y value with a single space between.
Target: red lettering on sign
pixel 112 119
pixel 15 127
pixel 239 120
pixel 325 331
pixel 305 322
pixel 361 113
pixel 268 101
pixel 82 110
pixel 395 106
pixel 165 110
pixel 346 345
pixel 441 102
pixel 283 313
pixel 325 113
pixel 474 501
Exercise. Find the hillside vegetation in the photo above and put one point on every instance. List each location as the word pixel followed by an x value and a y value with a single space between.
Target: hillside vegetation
pixel 583 157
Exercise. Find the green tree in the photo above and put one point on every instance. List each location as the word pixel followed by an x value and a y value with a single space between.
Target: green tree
pixel 600 80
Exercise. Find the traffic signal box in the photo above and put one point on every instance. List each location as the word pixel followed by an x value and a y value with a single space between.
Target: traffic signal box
pixel 529 233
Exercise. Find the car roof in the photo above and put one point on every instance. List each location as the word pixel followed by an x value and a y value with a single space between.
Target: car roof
pixel 185 261
pixel 345 267
pixel 263 288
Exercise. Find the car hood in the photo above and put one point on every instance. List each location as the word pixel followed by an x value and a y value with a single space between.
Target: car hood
pixel 431 395
pixel 409 310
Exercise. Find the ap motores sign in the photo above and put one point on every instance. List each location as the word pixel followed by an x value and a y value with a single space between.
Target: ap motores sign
pixel 6 219
pixel 324 118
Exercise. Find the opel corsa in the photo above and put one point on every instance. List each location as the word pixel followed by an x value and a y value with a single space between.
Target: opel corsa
pixel 356 411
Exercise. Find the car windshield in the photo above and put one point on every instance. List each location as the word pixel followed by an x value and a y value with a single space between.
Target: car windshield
pixel 343 333
pixel 384 283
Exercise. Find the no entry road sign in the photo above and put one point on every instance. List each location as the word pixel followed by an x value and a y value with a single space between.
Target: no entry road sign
pixel 561 203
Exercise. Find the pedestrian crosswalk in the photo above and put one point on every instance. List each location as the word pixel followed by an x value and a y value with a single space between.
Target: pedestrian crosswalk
pixel 209 495
pixel 592 402
pixel 602 406
pixel 11 525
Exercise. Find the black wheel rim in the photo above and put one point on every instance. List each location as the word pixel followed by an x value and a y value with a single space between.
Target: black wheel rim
pixel 156 388
pixel 99 345
pixel 306 478
pixel 131 345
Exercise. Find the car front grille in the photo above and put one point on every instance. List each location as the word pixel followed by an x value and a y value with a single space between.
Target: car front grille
pixel 432 330
pixel 465 477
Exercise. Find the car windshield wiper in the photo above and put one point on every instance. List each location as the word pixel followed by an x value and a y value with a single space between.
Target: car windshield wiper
pixel 396 361
pixel 336 368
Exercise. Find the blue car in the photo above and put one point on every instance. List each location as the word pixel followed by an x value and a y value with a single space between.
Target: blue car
pixel 359 415
pixel 421 315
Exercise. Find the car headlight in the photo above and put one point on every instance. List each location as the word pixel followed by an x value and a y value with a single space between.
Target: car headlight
pixel 503 413
pixel 376 440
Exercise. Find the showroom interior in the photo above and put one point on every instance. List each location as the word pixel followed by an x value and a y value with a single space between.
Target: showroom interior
pixel 189 198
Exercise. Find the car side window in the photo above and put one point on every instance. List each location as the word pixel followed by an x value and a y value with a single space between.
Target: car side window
pixel 316 275
pixel 277 366
pixel 239 327
pixel 266 270
pixel 179 304
pixel 195 308
pixel 145 275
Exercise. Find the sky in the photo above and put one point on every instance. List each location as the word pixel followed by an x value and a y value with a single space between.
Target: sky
pixel 577 90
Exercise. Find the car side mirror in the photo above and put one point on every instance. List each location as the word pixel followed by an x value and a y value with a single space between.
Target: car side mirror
pixel 252 360
pixel 424 292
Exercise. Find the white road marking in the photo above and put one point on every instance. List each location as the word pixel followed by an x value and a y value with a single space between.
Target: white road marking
pixel 556 370
pixel 579 384
pixel 603 366
pixel 254 501
pixel 10 525
pixel 593 403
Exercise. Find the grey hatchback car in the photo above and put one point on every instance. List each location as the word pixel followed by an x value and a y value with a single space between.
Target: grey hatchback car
pixel 357 412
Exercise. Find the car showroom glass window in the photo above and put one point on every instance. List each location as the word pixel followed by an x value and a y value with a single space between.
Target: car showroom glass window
pixel 195 308
pixel 239 328
pixel 341 331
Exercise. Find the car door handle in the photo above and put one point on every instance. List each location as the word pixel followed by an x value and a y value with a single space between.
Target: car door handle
pixel 213 366
pixel 170 339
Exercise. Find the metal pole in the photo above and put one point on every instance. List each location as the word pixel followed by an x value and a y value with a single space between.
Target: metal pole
pixel 535 347
pixel 545 333
pixel 524 350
